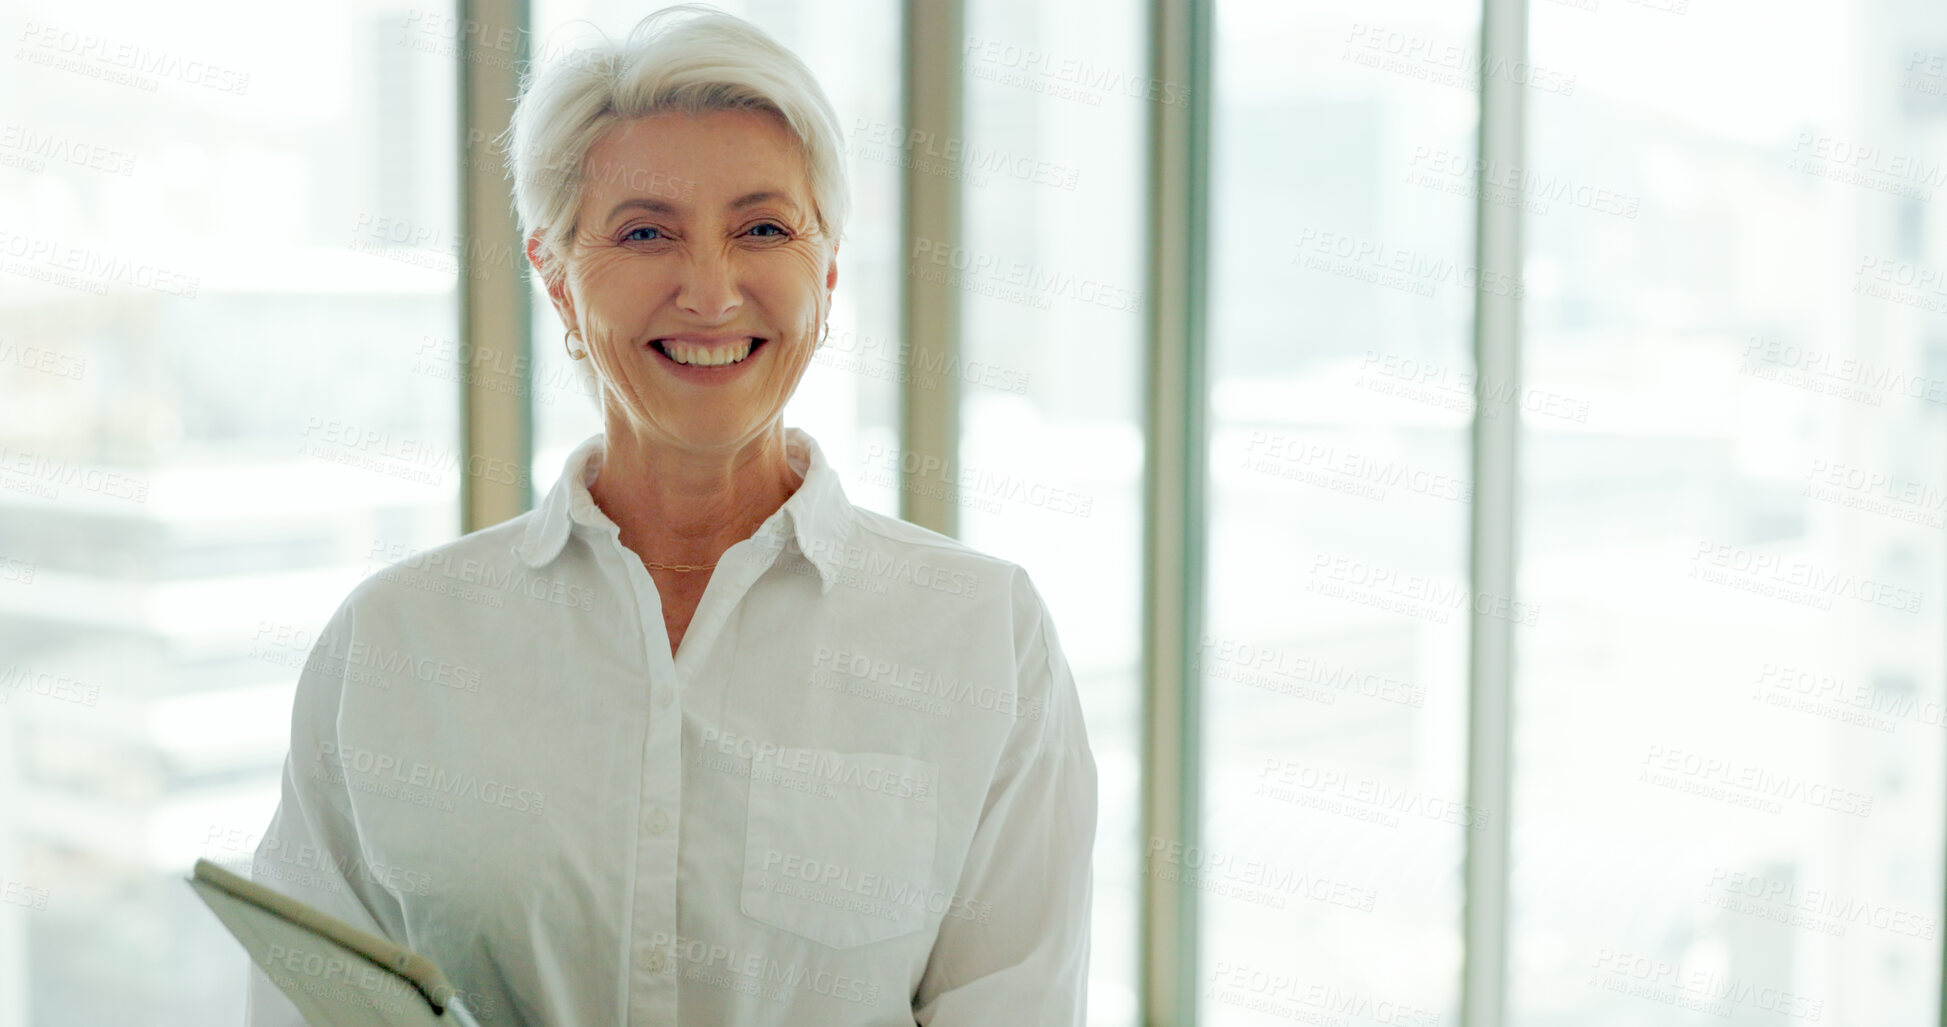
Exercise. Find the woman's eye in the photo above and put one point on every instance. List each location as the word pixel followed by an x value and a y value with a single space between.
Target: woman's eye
pixel 772 225
pixel 635 234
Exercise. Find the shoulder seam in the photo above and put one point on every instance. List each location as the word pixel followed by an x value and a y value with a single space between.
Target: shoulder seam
pixel 951 545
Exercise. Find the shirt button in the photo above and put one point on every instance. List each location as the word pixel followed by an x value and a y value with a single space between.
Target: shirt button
pixel 657 821
pixel 664 698
pixel 652 960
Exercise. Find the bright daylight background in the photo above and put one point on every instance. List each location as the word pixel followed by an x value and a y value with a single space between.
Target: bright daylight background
pixel 1734 422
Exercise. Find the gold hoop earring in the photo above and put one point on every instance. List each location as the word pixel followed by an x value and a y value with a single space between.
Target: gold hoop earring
pixel 572 352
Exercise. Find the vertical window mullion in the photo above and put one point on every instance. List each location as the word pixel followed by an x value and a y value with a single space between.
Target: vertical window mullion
pixel 1492 539
pixel 496 422
pixel 1174 477
pixel 929 406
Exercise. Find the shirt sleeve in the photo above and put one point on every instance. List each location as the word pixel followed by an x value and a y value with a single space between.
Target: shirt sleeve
pixel 1020 956
pixel 311 849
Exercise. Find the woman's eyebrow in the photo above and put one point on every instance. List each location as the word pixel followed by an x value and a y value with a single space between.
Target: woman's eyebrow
pixel 760 196
pixel 665 207
pixel 643 203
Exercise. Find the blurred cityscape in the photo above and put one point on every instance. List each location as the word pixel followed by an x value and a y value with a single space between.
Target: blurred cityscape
pixel 228 392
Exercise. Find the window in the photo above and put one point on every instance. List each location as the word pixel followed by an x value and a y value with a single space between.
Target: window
pixel 1334 653
pixel 230 360
pixel 1049 469
pixel 226 395
pixel 1728 792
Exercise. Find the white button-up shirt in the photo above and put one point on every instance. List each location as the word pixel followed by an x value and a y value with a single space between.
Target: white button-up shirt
pixel 860 792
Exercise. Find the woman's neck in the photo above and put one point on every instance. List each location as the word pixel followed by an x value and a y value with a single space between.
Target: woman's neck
pixel 680 506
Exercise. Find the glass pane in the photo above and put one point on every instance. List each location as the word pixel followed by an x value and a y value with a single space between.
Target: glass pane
pixel 228 246
pixel 848 399
pixel 1333 663
pixel 1049 472
pixel 1728 768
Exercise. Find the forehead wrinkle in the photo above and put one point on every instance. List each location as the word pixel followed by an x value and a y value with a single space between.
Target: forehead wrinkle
pixel 655 206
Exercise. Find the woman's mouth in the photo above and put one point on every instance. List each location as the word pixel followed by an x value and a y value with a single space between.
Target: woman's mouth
pixel 709 362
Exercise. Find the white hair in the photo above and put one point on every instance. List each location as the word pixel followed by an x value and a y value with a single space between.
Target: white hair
pixel 691 59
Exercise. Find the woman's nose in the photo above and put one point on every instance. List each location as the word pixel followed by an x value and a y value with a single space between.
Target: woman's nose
pixel 710 288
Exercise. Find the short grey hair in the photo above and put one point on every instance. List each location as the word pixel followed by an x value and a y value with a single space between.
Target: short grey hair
pixel 691 59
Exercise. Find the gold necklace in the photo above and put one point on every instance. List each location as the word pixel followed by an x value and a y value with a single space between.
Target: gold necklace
pixel 679 566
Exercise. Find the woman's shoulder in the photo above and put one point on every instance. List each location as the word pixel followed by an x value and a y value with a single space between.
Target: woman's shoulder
pixel 482 570
pixel 440 615
pixel 909 552
pixel 884 539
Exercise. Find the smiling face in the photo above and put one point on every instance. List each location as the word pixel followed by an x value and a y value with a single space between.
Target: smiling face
pixel 697 279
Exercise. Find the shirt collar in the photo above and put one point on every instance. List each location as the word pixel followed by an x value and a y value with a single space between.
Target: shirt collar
pixel 819 516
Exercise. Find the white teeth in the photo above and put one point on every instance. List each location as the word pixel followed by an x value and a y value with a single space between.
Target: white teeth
pixel 698 356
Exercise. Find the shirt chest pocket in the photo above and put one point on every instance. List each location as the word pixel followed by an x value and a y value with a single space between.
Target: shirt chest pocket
pixel 839 846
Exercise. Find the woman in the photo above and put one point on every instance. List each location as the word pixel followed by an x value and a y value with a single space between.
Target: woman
pixel 849 784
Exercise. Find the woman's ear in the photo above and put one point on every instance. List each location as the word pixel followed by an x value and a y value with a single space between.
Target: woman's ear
pixel 554 276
